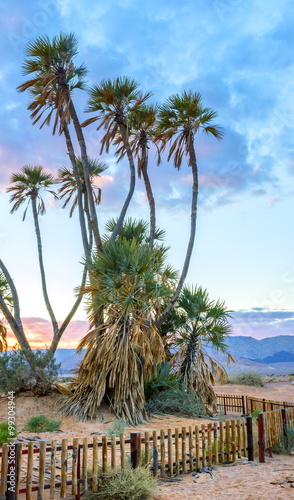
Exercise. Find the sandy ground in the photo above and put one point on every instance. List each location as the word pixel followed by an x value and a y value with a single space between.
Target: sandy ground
pixel 244 481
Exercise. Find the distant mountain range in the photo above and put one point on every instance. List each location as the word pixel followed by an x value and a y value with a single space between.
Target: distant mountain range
pixel 269 356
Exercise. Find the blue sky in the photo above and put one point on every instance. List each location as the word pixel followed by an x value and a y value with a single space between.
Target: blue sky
pixel 239 55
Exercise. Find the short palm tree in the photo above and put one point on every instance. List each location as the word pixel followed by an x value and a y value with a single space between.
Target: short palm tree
pixel 142 126
pixel 199 327
pixel 180 118
pixel 54 76
pixel 126 280
pixel 115 100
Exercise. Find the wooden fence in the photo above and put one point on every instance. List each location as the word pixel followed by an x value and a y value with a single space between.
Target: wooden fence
pixel 70 467
pixel 272 425
pixel 247 404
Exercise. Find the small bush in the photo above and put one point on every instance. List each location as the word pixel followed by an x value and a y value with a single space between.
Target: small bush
pixel 255 414
pixel 117 428
pixel 17 375
pixel 7 432
pixel 41 423
pixel 286 442
pixel 129 484
pixel 180 401
pixel 161 380
pixel 247 378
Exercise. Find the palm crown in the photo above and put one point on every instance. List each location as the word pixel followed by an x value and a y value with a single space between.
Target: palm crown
pixel 67 179
pixel 54 76
pixel 142 131
pixel 182 116
pixel 27 185
pixel 115 100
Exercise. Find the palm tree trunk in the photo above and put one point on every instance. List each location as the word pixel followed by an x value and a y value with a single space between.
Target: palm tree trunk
pixel 123 130
pixel 151 201
pixel 84 158
pixel 42 270
pixel 193 163
pixel 72 157
pixel 57 337
pixel 16 308
pixel 185 368
pixel 14 325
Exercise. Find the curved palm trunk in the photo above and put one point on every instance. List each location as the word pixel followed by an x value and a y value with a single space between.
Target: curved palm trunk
pixel 42 270
pixel 84 158
pixel 16 308
pixel 151 201
pixel 123 131
pixel 170 305
pixel 72 157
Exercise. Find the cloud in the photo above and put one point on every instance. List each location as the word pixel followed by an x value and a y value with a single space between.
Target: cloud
pixel 260 323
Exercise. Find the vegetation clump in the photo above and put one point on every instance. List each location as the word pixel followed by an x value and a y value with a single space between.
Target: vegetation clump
pixel 247 378
pixel 129 484
pixel 22 370
pixel 41 423
pixel 118 428
pixel 8 431
pixel 286 441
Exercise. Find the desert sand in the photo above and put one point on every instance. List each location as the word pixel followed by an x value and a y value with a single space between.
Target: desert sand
pixel 244 481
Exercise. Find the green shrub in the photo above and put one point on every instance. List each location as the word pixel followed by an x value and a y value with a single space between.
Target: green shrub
pixel 41 423
pixel 180 401
pixel 247 378
pixel 17 375
pixel 118 428
pixel 161 380
pixel 255 414
pixel 286 442
pixel 129 484
pixel 7 432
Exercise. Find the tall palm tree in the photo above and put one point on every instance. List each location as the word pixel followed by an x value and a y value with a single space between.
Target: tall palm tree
pixel 67 178
pixel 126 280
pixel 27 186
pixel 115 100
pixel 54 77
pixel 142 126
pixel 180 118
pixel 200 327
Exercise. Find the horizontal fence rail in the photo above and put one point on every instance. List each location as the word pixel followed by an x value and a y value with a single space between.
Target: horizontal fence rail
pixel 70 467
pixel 247 404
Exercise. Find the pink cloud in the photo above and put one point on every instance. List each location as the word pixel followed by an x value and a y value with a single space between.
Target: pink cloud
pixel 39 333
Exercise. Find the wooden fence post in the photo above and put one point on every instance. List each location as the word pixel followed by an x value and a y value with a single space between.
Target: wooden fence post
pixel 243 405
pixel 250 439
pixel 225 408
pixel 283 411
pixel 134 450
pixel 260 437
pixel 78 495
pixel 155 453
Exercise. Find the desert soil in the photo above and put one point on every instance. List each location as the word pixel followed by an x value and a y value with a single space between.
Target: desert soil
pixel 245 481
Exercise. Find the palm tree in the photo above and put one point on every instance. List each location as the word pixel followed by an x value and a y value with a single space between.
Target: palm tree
pixel 67 178
pixel 180 118
pixel 54 78
pixel 142 125
pixel 26 187
pixel 197 324
pixel 126 280
pixel 115 100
